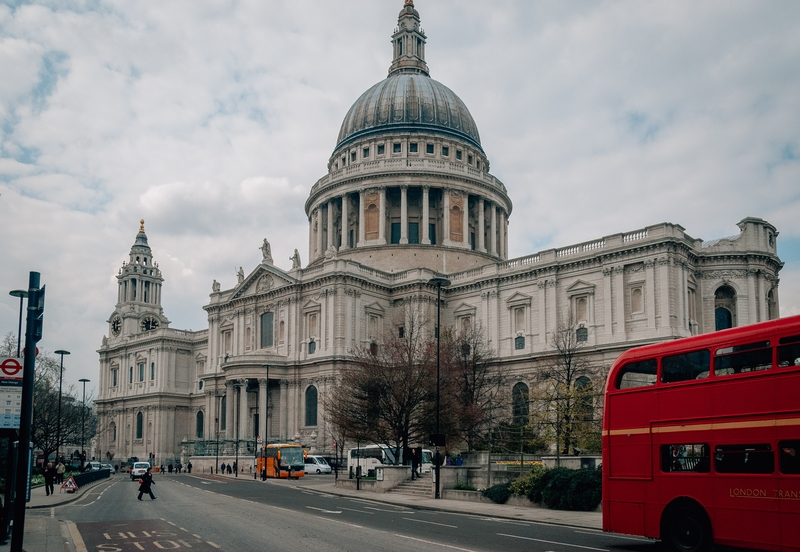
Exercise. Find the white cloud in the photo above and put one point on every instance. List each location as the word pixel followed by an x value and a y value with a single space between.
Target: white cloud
pixel 213 120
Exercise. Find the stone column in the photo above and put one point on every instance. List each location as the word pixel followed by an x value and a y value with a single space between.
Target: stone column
pixel 244 411
pixel 329 243
pixel 320 250
pixel 360 219
pixel 284 415
pixel 619 301
pixel 607 302
pixel 229 409
pixel 426 216
pixel 382 218
pixel 345 229
pixel 403 214
pixel 542 313
pixel 650 293
pixel 493 231
pixel 751 299
pixel 262 409
pixel 663 273
pixel 446 221
pixel 481 224
pixel 465 222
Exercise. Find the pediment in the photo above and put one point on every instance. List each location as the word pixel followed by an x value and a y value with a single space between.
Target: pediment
pixel 311 305
pixel 263 279
pixel 579 287
pixel 464 308
pixel 375 308
pixel 518 299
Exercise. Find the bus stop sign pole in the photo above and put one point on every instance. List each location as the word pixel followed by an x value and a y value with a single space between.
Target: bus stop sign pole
pixel 33 333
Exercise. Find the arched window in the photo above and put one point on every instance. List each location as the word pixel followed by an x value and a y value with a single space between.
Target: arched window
pixel 520 406
pixel 311 406
pixel 223 417
pixel 724 308
pixel 139 425
pixel 199 427
pixel 266 329
pixel 113 433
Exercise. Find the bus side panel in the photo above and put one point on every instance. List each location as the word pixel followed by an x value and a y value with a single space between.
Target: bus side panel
pixel 630 449
pixel 746 514
pixel 626 517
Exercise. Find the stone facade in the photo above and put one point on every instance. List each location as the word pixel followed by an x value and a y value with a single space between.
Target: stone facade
pixel 407 197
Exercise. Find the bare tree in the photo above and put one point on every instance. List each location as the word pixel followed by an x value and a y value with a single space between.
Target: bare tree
pixel 386 393
pixel 567 379
pixel 472 385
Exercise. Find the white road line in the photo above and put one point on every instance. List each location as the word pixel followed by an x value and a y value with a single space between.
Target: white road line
pixel 432 542
pixel 552 542
pixel 325 511
pixel 359 511
pixel 399 510
pixel 214 545
pixel 614 536
pixel 431 523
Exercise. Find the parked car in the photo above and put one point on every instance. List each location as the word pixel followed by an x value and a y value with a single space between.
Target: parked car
pixel 138 469
pixel 94 466
pixel 317 464
pixel 107 467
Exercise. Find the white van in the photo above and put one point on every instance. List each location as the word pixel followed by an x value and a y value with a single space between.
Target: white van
pixel 317 464
pixel 369 457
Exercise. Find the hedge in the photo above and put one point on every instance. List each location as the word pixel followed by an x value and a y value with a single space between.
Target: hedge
pixel 566 489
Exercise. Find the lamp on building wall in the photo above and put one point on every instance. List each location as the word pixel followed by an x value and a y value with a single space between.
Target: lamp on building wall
pixel 439 282
pixel 61 352
pixel 83 421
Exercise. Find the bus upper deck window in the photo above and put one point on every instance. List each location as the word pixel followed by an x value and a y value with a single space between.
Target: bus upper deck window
pixel 638 374
pixel 789 351
pixel 685 367
pixel 743 358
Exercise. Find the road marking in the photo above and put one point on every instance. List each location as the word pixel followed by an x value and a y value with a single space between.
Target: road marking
pixel 432 542
pixel 399 509
pixel 325 511
pixel 614 536
pixel 552 542
pixel 359 511
pixel 77 540
pixel 431 523
pixel 214 545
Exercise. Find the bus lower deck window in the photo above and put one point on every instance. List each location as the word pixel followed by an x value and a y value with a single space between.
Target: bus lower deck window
pixel 747 458
pixel 685 458
pixel 790 456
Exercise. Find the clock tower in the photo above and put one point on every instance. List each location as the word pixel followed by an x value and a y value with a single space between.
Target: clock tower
pixel 138 308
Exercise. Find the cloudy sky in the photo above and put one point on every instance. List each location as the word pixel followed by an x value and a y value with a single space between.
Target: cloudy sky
pixel 212 120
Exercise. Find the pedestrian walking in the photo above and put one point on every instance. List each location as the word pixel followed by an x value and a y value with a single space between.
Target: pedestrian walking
pixel 60 469
pixel 169 468
pixel 229 469
pixel 414 464
pixel 145 482
pixel 189 466
pixel 222 467
pixel 49 479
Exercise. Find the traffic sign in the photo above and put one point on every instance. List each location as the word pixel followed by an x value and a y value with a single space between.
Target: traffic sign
pixel 69 485
pixel 259 441
pixel 11 368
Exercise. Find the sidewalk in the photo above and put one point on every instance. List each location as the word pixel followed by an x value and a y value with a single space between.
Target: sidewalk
pixel 42 532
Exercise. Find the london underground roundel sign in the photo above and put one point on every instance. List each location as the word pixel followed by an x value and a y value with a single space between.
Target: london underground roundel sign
pixel 10 368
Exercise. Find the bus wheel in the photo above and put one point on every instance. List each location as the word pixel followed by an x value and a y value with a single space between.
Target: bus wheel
pixel 685 528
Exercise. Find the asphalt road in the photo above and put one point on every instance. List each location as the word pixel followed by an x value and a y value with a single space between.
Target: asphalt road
pixel 207 513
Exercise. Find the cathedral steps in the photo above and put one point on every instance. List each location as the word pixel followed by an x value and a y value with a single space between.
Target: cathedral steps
pixel 421 486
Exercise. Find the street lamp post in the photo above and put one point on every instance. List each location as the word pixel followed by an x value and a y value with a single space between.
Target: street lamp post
pixel 265 438
pixel 439 282
pixel 83 420
pixel 22 294
pixel 61 352
pixel 237 423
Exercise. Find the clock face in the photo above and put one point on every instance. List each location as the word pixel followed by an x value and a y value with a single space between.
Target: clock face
pixel 149 323
pixel 116 325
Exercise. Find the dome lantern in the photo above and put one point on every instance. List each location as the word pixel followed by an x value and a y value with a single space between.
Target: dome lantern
pixel 408 42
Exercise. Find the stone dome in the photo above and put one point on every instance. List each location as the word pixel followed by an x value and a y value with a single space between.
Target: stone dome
pixel 409 102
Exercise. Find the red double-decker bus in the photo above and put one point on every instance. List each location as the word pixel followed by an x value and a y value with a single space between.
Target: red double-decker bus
pixel 701 440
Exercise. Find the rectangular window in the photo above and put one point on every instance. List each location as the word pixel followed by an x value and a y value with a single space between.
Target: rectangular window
pixel 141 371
pixel 458 155
pixel 352 239
pixel 381 149
pixel 744 459
pixel 432 233
pixel 397 147
pixel 395 238
pixel 682 458
pixel 401 332
pixel 113 378
pixel 743 358
pixel 365 153
pixel 790 456
pixel 130 373
pixel 312 347
pixel 152 371
pixel 469 159
pixel 789 351
pixel 477 164
pixel 688 366
pixel 638 374
pixel 445 151
pixel 582 334
pixel 267 329
pixel 519 343
pixel 429 149
pixel 352 157
pixel 412 147
pixel 413 232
